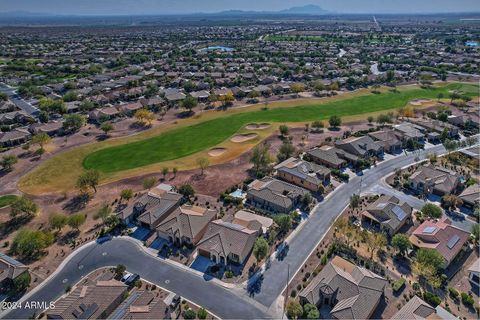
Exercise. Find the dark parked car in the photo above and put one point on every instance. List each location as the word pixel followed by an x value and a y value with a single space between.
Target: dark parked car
pixel 132 279
pixel 175 302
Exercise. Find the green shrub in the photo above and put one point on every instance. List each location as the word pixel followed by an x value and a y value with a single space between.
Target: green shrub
pixel 434 300
pixel 467 300
pixel 397 285
pixel 453 293
pixel 189 314
pixel 228 274
pixel 202 313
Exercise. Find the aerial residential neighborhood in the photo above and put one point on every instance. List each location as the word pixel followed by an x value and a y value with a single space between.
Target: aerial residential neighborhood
pixel 218 160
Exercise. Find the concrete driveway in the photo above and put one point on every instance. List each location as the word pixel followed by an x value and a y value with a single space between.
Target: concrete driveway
pixel 201 264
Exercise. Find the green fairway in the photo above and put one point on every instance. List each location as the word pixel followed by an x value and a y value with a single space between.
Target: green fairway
pixel 7 200
pixel 187 140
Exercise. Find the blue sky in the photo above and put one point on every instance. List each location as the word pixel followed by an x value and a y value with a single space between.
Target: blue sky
pixel 122 7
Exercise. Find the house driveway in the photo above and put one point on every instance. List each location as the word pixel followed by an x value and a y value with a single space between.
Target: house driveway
pixel 201 264
pixel 141 233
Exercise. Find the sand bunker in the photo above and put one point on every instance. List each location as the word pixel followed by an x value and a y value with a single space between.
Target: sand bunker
pixel 215 152
pixel 258 126
pixel 243 137
pixel 419 102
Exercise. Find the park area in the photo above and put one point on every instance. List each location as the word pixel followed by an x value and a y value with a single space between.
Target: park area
pixel 181 142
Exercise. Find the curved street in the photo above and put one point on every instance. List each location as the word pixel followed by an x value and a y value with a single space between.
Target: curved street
pixel 223 301
pixel 209 294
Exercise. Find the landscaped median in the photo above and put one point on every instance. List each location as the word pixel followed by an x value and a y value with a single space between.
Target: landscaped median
pixel 180 142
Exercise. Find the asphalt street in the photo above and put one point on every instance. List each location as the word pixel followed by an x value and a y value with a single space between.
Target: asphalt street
pixel 307 239
pixel 224 302
pixel 19 102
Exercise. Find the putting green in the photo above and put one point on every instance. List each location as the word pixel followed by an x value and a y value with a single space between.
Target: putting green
pixel 184 141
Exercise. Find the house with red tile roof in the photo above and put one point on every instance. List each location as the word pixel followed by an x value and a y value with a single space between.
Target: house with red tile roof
pixel 441 236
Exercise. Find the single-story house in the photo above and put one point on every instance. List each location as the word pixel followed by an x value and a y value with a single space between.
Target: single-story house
pixel 410 132
pixel 331 157
pixel 346 290
pixel 129 109
pixel 474 273
pixel 50 128
pixel 388 139
pixel 274 195
pixel 103 114
pixel 363 147
pixel 228 242
pixel 10 268
pixel 200 95
pixel 245 218
pixel 435 180
pixel 302 173
pixel 16 117
pixel 437 126
pixel 90 300
pixel 471 196
pixel 151 208
pixel 175 97
pixel 14 137
pixel 186 224
pixel 418 309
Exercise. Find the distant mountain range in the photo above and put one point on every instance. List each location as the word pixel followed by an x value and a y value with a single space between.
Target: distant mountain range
pixel 301 10
pixel 309 9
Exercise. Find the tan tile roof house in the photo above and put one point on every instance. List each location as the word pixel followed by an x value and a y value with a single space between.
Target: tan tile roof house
pixel 226 242
pixel 92 300
pixel 440 235
pixel 471 196
pixel 186 224
pixel 302 173
pixel 10 268
pixel 388 212
pixel 350 291
pixel 474 273
pixel 152 208
pixel 141 305
pixel 417 309
pixel 331 157
pixel 245 217
pixel 409 131
pixel 107 113
pixel 436 180
pixel 50 128
pixel 130 108
pixel 14 137
pixel 174 97
pixel 274 195
pixel 437 126
pixel 362 147
pixel 388 139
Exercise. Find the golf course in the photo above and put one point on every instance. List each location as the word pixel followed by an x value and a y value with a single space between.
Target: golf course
pixel 184 139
